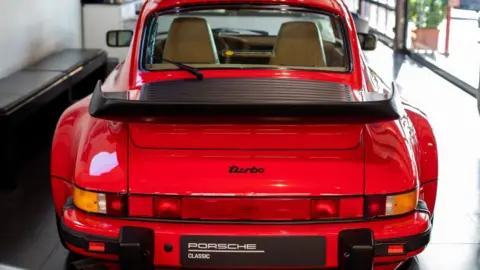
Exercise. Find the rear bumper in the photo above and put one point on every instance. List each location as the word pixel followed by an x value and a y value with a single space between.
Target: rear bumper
pixel 353 245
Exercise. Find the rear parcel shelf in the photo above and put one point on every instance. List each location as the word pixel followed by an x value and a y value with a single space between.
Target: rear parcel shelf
pixel 233 100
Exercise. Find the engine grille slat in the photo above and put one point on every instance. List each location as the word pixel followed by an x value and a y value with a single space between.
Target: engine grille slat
pixel 246 91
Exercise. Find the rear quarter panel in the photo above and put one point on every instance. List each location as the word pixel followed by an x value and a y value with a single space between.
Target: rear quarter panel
pixel 80 142
pixel 427 155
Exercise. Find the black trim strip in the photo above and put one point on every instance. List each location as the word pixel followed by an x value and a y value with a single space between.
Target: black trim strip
pixel 422 207
pixel 81 240
pixel 69 204
pixel 428 181
pixel 100 191
pixel 411 243
pixel 60 178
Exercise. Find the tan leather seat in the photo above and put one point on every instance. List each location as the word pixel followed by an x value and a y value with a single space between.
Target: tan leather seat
pixel 299 44
pixel 190 40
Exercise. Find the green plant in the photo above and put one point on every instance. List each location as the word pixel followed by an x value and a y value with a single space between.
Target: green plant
pixel 427 13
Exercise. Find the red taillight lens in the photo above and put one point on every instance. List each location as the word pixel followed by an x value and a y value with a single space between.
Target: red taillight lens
pixel 140 206
pixel 265 209
pixel 322 209
pixel 167 207
pixel 352 207
pixel 391 205
pixel 245 209
pixel 115 205
pixel 343 208
pixel 376 206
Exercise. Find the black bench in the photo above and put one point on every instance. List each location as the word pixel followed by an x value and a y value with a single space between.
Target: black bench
pixel 76 64
pixel 71 73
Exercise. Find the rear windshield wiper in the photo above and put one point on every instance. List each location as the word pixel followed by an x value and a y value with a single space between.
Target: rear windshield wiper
pixel 182 66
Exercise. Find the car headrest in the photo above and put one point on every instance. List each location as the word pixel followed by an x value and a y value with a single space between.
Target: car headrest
pixel 190 40
pixel 299 43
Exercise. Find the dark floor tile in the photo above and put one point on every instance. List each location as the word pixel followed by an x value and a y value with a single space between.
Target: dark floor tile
pixel 57 259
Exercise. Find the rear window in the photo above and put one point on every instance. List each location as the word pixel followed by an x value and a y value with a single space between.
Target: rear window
pixel 240 37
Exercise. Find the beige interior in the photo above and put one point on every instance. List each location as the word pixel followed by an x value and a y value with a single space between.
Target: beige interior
pixel 335 55
pixel 190 40
pixel 299 44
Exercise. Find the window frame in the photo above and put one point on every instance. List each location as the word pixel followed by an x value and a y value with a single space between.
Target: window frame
pixel 145 34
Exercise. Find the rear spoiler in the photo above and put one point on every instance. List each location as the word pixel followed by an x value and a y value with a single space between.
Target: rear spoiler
pixel 223 102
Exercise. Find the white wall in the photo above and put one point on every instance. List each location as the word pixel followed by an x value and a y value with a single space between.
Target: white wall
pixel 33 29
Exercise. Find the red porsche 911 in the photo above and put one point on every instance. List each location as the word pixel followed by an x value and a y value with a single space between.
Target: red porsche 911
pixel 244 135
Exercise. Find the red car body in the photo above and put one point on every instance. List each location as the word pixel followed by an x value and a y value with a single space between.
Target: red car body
pixel 233 183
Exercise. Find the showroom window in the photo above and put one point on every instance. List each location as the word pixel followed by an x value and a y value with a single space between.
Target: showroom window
pixel 447 34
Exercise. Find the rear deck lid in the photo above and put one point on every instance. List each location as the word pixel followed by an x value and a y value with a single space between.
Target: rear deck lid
pixel 246 160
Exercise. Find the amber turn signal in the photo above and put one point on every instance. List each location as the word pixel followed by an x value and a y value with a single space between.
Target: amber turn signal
pixel 101 203
pixel 391 205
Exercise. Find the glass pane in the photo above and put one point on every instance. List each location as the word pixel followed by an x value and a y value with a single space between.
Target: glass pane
pixel 390 24
pixel 428 38
pixel 124 38
pixel 380 18
pixel 352 5
pixel 243 38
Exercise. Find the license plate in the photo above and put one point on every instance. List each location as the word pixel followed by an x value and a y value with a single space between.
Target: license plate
pixel 238 251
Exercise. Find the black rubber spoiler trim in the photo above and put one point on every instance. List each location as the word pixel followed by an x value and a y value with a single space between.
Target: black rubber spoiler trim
pixel 116 106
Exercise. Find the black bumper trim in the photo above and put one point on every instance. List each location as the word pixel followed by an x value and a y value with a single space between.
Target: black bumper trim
pixel 411 243
pixel 81 240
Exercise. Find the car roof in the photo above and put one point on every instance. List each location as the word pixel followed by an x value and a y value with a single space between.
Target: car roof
pixel 335 6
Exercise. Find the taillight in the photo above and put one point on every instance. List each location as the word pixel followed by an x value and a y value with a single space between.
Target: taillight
pixel 391 205
pixel 262 209
pixel 340 208
pixel 325 209
pixel 376 206
pixel 167 207
pixel 100 203
pixel 115 205
pixel 245 209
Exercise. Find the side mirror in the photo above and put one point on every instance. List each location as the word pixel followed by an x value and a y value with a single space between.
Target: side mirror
pixel 119 38
pixel 368 42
